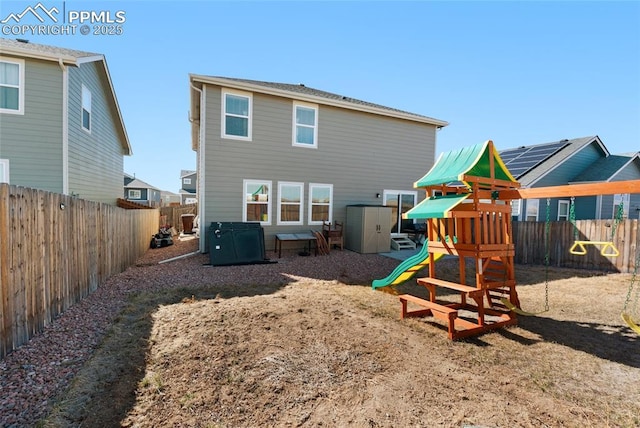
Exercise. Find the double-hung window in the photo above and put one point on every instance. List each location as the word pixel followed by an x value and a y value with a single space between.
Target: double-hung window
pixel 86 109
pixel 257 201
pixel 305 125
pixel 532 210
pixel 320 203
pixel 236 115
pixel 563 210
pixel 11 86
pixel 290 197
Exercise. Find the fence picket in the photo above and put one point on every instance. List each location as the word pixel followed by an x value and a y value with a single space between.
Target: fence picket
pixel 530 247
pixel 55 250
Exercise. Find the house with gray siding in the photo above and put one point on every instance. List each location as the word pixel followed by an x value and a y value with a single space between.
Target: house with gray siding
pixel 188 187
pixel 60 124
pixel 136 190
pixel 567 162
pixel 290 156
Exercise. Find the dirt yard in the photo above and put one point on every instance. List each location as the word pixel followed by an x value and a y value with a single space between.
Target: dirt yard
pixel 305 342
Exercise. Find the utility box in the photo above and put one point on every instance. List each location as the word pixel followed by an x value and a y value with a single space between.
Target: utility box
pixel 368 229
pixel 236 243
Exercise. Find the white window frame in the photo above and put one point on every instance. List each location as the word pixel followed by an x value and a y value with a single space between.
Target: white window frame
pixel 21 85
pixel 249 117
pixel 268 202
pixel 4 175
pixel 313 107
pixel 186 181
pixel 300 186
pixel 516 207
pixel 626 200
pixel 131 194
pixel 313 186
pixel 86 106
pixel 532 205
pixel 561 217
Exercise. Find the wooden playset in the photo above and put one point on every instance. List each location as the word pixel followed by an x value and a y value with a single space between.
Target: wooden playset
pixel 468 215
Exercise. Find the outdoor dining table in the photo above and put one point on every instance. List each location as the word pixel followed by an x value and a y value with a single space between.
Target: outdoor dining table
pixel 295 237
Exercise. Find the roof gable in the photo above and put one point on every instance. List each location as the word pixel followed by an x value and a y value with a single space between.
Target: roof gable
pixel 568 149
pixel 605 169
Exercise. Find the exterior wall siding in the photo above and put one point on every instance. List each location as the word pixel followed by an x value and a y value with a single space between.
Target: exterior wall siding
pixel 95 159
pixel 564 174
pixel 360 154
pixel 33 141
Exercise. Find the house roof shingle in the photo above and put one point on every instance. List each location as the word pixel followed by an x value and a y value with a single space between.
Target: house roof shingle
pixel 303 92
pixel 570 148
pixel 35 50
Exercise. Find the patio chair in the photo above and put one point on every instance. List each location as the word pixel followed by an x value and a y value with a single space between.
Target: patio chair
pixel 333 234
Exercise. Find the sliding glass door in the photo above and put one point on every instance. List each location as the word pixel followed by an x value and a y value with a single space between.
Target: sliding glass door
pixel 400 202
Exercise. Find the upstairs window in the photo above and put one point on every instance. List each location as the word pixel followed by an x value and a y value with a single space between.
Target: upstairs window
pixel 86 108
pixel 186 180
pixel 320 203
pixel 305 125
pixel 11 86
pixel 257 201
pixel 236 115
pixel 290 197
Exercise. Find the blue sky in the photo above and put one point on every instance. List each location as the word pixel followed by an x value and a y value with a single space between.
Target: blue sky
pixel 518 73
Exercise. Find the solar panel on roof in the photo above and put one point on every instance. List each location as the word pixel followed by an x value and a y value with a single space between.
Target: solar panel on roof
pixel 521 160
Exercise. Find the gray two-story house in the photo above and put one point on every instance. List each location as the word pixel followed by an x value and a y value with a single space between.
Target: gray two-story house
pixel 290 156
pixel 61 129
pixel 188 187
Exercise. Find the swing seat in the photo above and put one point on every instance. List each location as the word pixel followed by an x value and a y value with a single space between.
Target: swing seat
pixel 607 250
pixel 517 310
pixel 627 319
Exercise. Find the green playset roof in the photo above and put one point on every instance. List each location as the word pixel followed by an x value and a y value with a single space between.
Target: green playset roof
pixel 473 160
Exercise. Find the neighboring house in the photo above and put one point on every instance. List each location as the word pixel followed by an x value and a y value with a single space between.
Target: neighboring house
pixel 566 162
pixel 289 156
pixel 189 187
pixel 136 190
pixel 60 124
pixel 169 199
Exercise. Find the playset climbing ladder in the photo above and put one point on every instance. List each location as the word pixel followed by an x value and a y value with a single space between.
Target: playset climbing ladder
pixel 467 210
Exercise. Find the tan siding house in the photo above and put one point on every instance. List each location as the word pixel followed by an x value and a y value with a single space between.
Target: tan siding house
pixel 290 156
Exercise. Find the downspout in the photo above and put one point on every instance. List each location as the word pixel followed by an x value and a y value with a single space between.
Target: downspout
pixel 201 169
pixel 65 127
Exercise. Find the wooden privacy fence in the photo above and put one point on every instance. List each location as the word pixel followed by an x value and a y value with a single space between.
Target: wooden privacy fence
pixel 529 239
pixel 55 250
pixel 173 215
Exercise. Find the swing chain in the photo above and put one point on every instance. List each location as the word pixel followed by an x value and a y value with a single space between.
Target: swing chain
pixel 547 243
pixel 633 281
pixel 572 218
pixel 619 213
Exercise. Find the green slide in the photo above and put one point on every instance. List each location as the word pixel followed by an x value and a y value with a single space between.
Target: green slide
pixel 407 269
